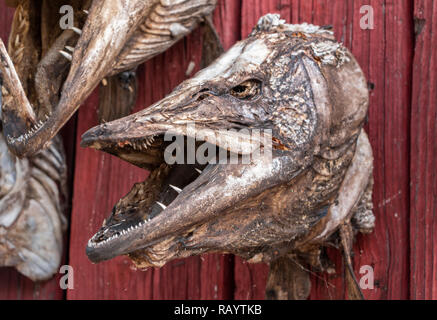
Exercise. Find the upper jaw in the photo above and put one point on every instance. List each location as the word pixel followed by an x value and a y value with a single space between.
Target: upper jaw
pixel 92 59
pixel 179 114
pixel 106 30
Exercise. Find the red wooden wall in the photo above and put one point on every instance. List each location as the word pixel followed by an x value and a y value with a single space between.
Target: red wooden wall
pixel 399 58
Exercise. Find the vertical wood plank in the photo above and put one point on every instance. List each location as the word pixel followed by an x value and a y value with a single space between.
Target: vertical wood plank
pixel 250 279
pixel 390 63
pixel 384 53
pixel 101 179
pixel 6 14
pixel 252 10
pixel 339 15
pixel 227 21
pixel 423 222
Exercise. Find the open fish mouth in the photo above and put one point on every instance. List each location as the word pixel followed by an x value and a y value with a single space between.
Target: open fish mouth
pixel 260 209
pixel 159 219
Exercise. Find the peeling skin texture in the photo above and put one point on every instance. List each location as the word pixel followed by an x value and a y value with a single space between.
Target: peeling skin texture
pixel 115 36
pixel 292 79
pixel 31 219
pixel 32 189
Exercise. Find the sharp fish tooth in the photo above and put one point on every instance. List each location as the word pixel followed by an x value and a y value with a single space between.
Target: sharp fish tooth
pixel 161 205
pixel 66 55
pixel 198 170
pixel 69 48
pixel 178 190
pixel 86 11
pixel 77 30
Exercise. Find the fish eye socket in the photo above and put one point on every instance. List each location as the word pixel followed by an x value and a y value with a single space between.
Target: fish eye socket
pixel 247 90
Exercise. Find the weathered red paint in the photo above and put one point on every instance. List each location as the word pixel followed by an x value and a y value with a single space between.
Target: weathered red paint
pixel 402 116
pixel 423 204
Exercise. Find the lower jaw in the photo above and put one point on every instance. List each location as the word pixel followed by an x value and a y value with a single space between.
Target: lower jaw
pixel 166 183
pixel 170 180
